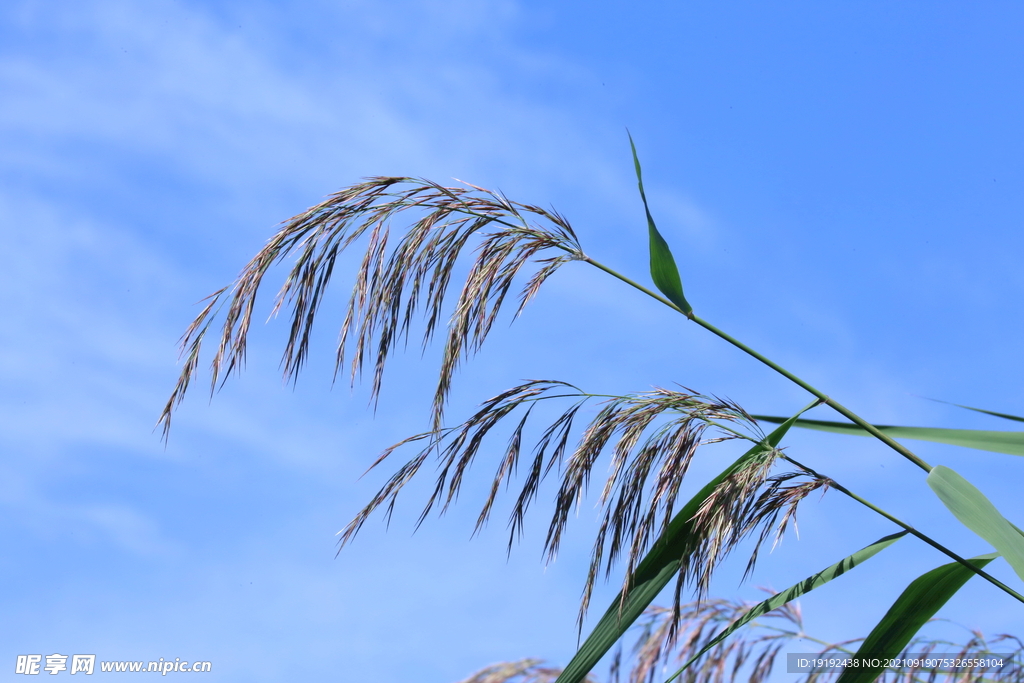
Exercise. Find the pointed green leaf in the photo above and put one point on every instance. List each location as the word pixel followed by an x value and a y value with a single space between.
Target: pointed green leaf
pixel 1005 416
pixel 806 586
pixel 915 606
pixel 1011 443
pixel 657 568
pixel 978 514
pixel 663 266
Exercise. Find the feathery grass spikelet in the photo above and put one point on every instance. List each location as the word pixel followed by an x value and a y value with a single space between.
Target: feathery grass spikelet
pixel 392 281
pixel 651 438
pixel 522 671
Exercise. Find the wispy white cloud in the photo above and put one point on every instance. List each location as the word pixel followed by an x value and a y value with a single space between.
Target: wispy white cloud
pixel 236 104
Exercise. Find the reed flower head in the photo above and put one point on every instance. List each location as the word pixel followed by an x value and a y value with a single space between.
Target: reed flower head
pixel 395 277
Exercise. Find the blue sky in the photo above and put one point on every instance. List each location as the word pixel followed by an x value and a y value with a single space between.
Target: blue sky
pixel 840 183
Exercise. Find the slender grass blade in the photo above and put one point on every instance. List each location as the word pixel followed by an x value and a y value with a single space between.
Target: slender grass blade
pixel 916 605
pixel 978 514
pixel 1005 416
pixel 663 266
pixel 795 591
pixel 1011 443
pixel 656 569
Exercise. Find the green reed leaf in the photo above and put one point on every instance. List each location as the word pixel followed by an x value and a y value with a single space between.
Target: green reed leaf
pixel 977 513
pixel 1005 416
pixel 657 568
pixel 795 591
pixel 1011 443
pixel 916 605
pixel 663 266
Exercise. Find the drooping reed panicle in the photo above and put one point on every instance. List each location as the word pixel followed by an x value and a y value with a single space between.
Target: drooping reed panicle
pixel 651 439
pixel 392 282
